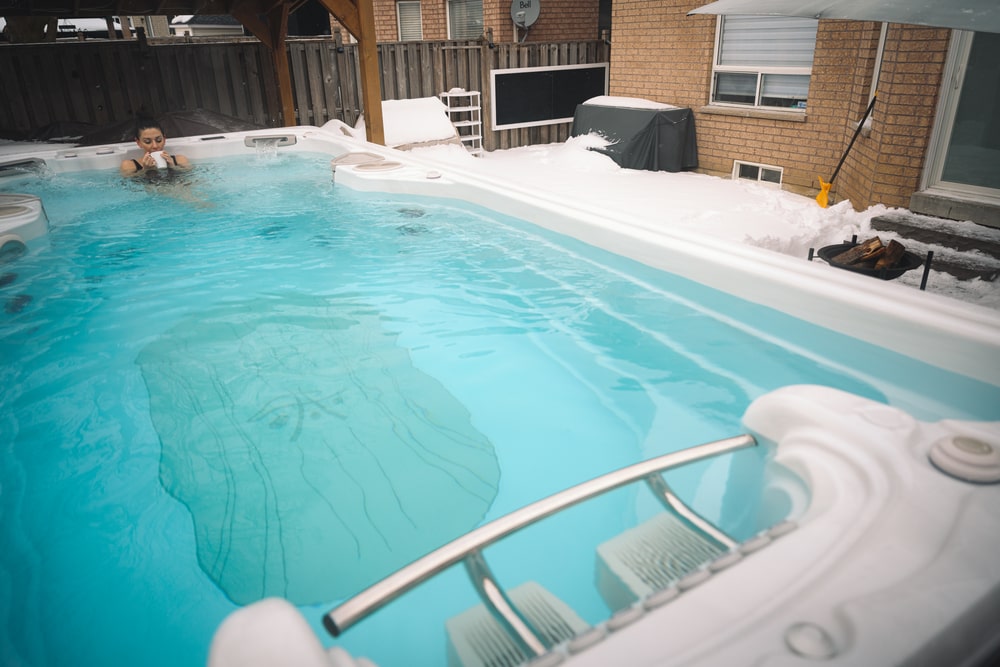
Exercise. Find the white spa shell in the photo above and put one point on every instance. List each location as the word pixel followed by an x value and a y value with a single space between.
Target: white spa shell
pixel 893 562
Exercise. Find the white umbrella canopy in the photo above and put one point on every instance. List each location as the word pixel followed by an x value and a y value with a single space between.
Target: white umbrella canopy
pixel 977 15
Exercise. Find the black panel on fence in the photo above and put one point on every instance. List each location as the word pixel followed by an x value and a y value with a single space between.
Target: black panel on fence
pixel 544 95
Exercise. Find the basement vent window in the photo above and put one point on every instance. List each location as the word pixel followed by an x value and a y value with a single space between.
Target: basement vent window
pixel 762 173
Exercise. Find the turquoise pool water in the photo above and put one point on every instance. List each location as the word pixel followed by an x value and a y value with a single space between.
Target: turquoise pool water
pixel 252 382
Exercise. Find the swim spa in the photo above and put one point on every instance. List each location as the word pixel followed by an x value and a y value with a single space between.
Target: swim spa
pixel 206 317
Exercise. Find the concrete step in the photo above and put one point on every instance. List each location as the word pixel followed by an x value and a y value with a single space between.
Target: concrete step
pixel 963 249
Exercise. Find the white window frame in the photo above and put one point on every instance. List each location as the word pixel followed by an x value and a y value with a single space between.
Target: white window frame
pixel 761 168
pixel 448 8
pixel 760 71
pixel 399 20
pixel 952 83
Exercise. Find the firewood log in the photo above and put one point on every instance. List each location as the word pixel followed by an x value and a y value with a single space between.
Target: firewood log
pixel 863 252
pixel 893 253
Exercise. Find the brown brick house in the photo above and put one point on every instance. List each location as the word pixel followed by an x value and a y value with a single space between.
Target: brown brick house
pixel 558 20
pixel 932 146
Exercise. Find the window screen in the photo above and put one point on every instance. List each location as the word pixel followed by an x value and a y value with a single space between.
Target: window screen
pixel 766 41
pixel 408 18
pixel 465 19
pixel 764 61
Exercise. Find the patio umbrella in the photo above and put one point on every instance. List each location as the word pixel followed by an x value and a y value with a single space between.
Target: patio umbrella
pixel 174 124
pixel 976 15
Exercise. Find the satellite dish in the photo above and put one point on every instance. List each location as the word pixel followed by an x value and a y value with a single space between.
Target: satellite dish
pixel 524 13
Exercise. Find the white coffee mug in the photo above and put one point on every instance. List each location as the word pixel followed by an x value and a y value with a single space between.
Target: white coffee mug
pixel 161 162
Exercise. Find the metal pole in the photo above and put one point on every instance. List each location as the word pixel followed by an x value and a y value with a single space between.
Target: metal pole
pixel 927 268
pixel 500 606
pixel 665 495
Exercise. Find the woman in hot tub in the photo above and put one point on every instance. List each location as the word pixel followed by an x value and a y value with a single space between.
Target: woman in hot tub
pixel 150 138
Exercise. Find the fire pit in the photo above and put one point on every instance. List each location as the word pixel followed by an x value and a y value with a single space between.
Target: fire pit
pixel 907 261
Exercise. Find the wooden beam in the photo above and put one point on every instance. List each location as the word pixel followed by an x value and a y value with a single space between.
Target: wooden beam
pixel 267 8
pixel 277 20
pixel 272 31
pixel 256 27
pixel 346 11
pixel 126 30
pixel 358 16
pixel 371 82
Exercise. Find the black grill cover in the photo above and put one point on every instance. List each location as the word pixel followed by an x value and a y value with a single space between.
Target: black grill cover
pixel 650 139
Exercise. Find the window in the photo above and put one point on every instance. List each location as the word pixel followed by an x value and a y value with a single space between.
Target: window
pixel 763 173
pixel 465 19
pixel 764 61
pixel 408 20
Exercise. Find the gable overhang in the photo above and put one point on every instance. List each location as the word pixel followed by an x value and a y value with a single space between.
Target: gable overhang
pixel 975 15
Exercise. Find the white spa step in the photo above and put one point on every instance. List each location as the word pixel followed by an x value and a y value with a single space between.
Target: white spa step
pixel 652 556
pixel 476 639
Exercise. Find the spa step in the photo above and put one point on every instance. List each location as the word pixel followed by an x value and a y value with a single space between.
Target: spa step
pixel 962 249
pixel 662 558
pixel 476 639
pixel 650 557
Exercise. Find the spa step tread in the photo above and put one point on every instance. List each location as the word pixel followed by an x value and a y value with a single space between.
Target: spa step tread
pixel 476 639
pixel 971 251
pixel 652 556
pixel 964 272
pixel 962 236
pixel 962 265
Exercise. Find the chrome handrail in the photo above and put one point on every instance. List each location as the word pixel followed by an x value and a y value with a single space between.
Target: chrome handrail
pixel 510 618
pixel 665 495
pixel 378 595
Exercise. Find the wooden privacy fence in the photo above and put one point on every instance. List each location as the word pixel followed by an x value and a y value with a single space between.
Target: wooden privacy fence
pixel 100 82
pixel 423 69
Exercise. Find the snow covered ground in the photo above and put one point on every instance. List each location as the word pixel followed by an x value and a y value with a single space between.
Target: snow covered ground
pixel 740 211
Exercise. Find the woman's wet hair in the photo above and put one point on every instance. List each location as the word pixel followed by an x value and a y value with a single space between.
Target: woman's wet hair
pixel 146 123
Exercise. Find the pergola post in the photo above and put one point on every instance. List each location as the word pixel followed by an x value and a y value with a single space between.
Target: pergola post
pixel 272 32
pixel 358 16
pixel 277 20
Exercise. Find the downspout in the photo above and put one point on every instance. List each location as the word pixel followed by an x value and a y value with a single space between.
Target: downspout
pixel 866 128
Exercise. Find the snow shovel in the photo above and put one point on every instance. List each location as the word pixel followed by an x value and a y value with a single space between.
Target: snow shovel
pixel 824 188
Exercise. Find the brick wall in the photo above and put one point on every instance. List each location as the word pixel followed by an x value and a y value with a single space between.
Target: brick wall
pixel 838 96
pixel 433 20
pixel 558 20
pixel 660 53
pixel 386 29
pixel 888 167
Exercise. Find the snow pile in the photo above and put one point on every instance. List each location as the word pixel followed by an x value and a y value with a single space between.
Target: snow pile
pixel 413 121
pixel 627 102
